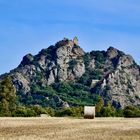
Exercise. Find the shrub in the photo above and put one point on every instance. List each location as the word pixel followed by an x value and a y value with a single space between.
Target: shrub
pixel 50 111
pixel 73 112
pixel 22 111
pixel 108 111
pixel 131 111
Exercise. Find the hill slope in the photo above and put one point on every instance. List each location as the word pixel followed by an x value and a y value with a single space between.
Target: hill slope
pixel 64 75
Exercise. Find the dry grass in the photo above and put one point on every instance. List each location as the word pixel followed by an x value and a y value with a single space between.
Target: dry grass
pixel 69 129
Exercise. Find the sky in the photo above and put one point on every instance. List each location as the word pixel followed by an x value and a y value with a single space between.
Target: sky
pixel 27 26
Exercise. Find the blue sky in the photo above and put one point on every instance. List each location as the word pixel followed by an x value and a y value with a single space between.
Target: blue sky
pixel 27 26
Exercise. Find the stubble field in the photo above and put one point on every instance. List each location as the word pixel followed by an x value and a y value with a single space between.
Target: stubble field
pixel 69 129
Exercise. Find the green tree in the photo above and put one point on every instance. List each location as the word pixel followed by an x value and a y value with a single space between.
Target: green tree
pixel 99 107
pixel 7 97
pixel 108 111
pixel 131 111
pixel 50 111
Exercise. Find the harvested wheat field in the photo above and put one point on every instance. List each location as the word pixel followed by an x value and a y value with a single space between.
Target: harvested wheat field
pixel 69 129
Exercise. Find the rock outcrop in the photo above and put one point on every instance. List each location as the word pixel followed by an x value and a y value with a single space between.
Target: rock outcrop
pixel 122 85
pixel 112 74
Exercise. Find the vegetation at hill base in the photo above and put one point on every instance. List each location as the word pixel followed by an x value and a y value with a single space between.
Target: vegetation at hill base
pixel 10 105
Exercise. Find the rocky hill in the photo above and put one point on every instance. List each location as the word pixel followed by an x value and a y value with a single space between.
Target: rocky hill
pixel 64 75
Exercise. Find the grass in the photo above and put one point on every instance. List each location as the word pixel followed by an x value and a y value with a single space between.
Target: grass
pixel 69 129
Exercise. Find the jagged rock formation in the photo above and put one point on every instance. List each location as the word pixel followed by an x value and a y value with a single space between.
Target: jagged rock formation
pixel 111 74
pixel 122 84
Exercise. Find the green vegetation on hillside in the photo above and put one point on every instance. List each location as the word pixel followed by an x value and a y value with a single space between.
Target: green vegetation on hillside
pixel 44 100
pixel 74 94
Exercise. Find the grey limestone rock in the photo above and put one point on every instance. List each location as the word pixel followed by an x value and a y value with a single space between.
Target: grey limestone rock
pixel 113 74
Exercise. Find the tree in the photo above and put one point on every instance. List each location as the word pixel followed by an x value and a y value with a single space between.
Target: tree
pixel 50 111
pixel 108 111
pixel 99 107
pixel 131 111
pixel 7 97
